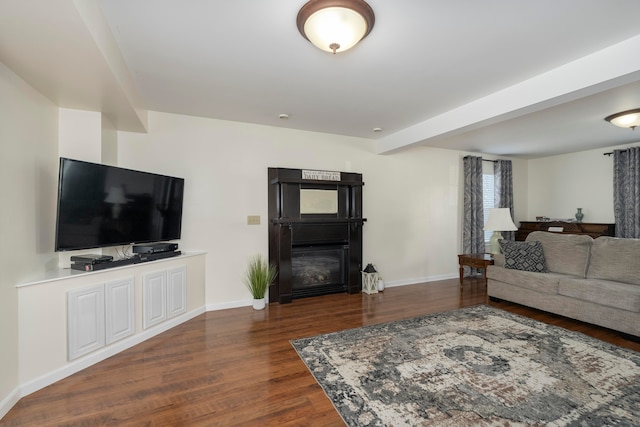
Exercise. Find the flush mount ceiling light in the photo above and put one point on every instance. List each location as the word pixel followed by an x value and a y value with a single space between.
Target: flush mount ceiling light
pixel 335 25
pixel 625 119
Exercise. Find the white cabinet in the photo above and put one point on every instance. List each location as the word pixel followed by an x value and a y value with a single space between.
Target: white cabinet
pixel 85 321
pixel 154 291
pixel 99 315
pixel 119 306
pixel 164 295
pixel 176 291
pixel 60 315
pixel 102 314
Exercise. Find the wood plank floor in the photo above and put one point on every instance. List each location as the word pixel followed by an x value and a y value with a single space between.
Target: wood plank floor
pixel 237 367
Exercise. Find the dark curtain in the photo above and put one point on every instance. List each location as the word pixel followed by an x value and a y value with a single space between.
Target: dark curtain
pixel 503 190
pixel 473 221
pixel 626 192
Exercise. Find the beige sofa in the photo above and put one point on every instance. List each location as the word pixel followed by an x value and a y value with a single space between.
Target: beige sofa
pixel 595 281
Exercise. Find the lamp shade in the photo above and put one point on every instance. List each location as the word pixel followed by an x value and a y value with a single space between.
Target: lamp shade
pixel 500 220
pixel 335 25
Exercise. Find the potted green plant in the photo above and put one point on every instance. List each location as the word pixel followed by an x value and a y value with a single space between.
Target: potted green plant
pixel 257 277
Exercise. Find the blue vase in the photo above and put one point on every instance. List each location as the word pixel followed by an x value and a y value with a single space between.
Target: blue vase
pixel 579 215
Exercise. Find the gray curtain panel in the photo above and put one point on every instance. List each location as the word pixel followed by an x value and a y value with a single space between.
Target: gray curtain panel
pixel 503 190
pixel 626 192
pixel 473 221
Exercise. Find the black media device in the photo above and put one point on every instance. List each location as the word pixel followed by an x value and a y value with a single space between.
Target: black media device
pixel 154 256
pixel 101 265
pixel 153 248
pixel 91 258
pixel 101 206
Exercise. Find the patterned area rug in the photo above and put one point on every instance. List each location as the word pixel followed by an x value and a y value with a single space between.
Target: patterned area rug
pixel 474 366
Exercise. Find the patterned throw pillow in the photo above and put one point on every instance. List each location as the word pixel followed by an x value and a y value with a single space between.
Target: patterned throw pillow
pixel 527 256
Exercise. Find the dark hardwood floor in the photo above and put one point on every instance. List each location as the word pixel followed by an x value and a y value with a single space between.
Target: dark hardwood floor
pixel 237 367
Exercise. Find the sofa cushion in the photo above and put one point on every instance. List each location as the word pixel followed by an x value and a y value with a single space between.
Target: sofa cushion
pixel 526 256
pixel 603 292
pixel 564 253
pixel 616 259
pixel 546 283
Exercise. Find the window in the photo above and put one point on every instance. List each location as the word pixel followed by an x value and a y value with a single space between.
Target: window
pixel 487 199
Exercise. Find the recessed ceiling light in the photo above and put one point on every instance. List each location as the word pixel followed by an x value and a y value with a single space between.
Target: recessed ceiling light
pixel 377 129
pixel 283 116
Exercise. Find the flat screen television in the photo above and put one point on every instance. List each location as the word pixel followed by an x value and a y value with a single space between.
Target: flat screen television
pixel 100 206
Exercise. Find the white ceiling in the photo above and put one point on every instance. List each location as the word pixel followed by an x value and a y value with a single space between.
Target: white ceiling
pixel 503 77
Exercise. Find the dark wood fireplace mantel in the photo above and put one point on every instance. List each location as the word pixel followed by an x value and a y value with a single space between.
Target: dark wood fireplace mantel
pixel 291 230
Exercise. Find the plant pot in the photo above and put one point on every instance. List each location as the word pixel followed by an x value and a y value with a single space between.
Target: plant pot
pixel 259 303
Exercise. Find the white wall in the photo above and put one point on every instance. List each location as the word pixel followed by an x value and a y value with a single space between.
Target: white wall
pixel 28 182
pixel 411 198
pixel 559 185
pixel 109 142
pixel 80 135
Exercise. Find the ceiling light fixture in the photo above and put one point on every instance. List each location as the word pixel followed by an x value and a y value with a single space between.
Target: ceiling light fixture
pixel 335 25
pixel 625 119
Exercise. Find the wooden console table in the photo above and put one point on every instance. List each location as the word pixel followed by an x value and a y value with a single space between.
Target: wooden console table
pixel 589 228
pixel 481 261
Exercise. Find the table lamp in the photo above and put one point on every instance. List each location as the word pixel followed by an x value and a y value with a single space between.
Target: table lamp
pixel 499 220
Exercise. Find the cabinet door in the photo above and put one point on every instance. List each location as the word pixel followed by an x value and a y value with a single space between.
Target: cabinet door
pixel 119 306
pixel 85 320
pixel 154 296
pixel 176 291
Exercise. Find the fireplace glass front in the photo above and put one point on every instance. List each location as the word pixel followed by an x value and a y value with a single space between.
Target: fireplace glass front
pixel 318 270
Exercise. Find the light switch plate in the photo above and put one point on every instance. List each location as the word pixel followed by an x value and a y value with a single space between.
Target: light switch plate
pixel 253 220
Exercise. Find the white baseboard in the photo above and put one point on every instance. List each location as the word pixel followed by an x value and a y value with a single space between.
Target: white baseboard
pixel 391 284
pixel 7 403
pixel 231 304
pixel 418 280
